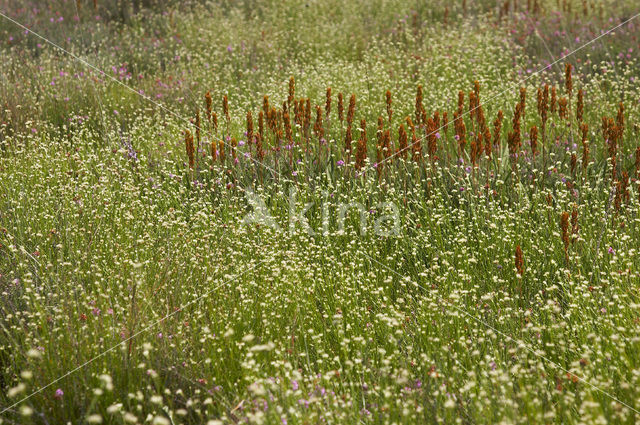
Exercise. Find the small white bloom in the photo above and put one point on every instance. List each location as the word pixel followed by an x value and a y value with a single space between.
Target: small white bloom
pixel 114 408
pixel 257 389
pixel 26 410
pixel 264 347
pixel 94 419
pixel 34 354
pixel 161 420
pixel 16 390
pixel 130 418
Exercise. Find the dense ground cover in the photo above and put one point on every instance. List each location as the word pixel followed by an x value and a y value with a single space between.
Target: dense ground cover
pixel 194 228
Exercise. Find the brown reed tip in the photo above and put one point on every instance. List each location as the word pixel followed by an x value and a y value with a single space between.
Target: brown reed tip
pixel 388 101
pixel 225 107
pixel 568 83
pixel 327 104
pixel 580 105
pixel 188 139
pixel 519 260
pixel 292 90
pixel 533 140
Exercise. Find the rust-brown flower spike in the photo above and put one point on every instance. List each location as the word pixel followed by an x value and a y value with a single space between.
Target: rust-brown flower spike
pixel 533 139
pixel 568 83
pixel 292 91
pixel 188 139
pixel 225 107
pixel 580 105
pixel 249 128
pixel 564 226
pixel 208 102
pixel 519 261
pixel 402 142
pixel 352 110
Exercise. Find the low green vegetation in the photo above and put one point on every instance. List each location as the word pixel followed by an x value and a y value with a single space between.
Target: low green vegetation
pixel 319 212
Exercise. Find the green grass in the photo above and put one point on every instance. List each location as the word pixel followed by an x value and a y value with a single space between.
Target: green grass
pixel 137 290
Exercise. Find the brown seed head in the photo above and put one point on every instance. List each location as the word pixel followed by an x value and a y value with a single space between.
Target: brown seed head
pixel 348 139
pixel 545 105
pixel 580 105
pixel 419 106
pixel 317 126
pixel 568 84
pixel 208 103
pixel 539 101
pixel 225 107
pixel 460 102
pixel 519 261
pixel 564 226
pixel 562 108
pixel 574 220
pixel 533 139
pixel 188 139
pixel 214 153
pixel 389 110
pixel 497 128
pixel 221 152
pixel 234 144
pixel 488 148
pixel 352 109
pixel 307 116
pixel 380 131
pixel 287 128
pixel 402 142
pixel 259 148
pixel 472 105
pixel 292 91
pixel 249 128
pixel 523 99
pixel 620 121
pixel 432 143
pixel 214 121
pixel 386 143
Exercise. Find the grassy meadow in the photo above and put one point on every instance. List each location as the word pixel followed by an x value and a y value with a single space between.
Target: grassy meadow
pixel 319 212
